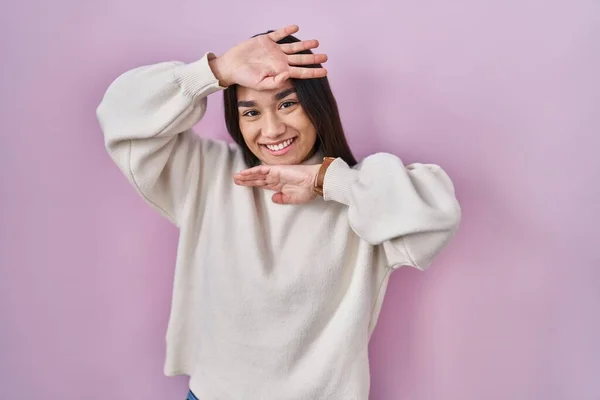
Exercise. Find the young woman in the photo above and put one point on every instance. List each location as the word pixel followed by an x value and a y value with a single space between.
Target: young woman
pixel 286 242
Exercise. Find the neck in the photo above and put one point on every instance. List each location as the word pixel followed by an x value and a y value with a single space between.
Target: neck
pixel 315 157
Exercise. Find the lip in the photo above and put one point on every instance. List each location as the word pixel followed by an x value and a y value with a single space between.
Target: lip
pixel 282 151
pixel 278 142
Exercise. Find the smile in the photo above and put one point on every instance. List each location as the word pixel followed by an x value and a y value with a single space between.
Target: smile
pixel 280 148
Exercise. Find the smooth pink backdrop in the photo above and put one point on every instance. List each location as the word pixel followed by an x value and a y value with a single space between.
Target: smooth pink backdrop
pixel 504 95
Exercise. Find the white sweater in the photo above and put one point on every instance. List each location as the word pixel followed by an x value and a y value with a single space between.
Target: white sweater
pixel 271 302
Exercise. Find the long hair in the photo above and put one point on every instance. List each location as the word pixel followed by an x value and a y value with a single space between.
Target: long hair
pixel 317 101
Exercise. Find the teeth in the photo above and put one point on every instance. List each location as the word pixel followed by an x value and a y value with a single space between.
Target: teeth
pixel 280 146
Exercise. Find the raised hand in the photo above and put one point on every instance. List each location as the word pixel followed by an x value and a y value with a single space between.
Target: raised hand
pixel 261 64
pixel 293 184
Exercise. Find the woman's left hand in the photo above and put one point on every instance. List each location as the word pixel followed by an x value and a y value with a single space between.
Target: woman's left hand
pixel 293 184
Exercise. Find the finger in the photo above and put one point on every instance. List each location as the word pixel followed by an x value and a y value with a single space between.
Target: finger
pixel 257 180
pixel 251 182
pixel 306 59
pixel 249 176
pixel 273 82
pixel 280 78
pixel 307 73
pixel 253 178
pixel 267 84
pixel 261 169
pixel 296 47
pixel 279 34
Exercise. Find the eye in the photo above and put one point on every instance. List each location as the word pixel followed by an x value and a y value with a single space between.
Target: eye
pixel 287 104
pixel 250 113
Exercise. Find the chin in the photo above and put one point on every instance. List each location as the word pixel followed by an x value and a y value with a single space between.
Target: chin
pixel 283 160
pixel 293 157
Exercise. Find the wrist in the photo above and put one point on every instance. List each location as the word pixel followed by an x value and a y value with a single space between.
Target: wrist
pixel 315 173
pixel 217 65
pixel 320 175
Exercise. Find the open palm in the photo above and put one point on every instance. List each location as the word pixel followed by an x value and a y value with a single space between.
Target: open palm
pixel 293 184
pixel 261 63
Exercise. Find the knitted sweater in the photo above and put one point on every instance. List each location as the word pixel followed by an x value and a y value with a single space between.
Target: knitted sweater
pixel 269 301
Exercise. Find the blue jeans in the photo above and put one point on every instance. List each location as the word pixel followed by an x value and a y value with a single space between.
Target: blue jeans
pixel 191 396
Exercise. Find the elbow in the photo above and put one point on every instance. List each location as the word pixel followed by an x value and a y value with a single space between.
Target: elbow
pixel 454 217
pixel 424 247
pixel 103 118
pixel 113 140
pixel 445 226
pixel 119 108
pixel 108 121
pixel 436 219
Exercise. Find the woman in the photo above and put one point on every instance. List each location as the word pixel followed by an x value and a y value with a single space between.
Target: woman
pixel 286 243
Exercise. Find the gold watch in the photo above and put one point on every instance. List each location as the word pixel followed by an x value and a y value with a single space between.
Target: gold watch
pixel 318 188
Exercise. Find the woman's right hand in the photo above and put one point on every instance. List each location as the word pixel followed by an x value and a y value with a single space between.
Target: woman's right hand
pixel 261 64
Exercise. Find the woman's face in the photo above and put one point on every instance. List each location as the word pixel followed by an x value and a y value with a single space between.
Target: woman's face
pixel 274 125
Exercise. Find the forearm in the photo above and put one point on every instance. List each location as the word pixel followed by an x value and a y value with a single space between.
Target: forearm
pixel 146 116
pixel 411 209
pixel 156 100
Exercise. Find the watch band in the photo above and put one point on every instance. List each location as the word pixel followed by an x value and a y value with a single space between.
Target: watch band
pixel 318 188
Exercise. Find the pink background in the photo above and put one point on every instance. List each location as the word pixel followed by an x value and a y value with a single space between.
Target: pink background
pixel 504 95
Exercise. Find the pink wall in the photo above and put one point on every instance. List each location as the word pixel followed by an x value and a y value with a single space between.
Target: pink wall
pixel 504 95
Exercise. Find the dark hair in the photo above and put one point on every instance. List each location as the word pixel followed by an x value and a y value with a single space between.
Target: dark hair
pixel 318 103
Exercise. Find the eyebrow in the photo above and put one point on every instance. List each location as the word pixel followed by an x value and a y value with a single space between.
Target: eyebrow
pixel 278 96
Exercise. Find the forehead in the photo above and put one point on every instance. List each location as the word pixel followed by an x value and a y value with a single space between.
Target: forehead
pixel 247 94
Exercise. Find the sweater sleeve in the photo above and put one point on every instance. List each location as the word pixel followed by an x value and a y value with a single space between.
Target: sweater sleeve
pixel 147 115
pixel 410 211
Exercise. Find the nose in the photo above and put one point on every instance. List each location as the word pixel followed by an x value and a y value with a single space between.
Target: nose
pixel 273 127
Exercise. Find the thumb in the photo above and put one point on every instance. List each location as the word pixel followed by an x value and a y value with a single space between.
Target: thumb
pixel 273 82
pixel 280 198
pixel 281 77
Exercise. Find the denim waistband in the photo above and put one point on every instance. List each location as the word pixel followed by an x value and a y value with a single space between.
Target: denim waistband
pixel 191 396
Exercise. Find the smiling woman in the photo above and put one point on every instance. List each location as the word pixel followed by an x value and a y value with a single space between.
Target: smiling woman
pixel 274 126
pixel 311 101
pixel 277 295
